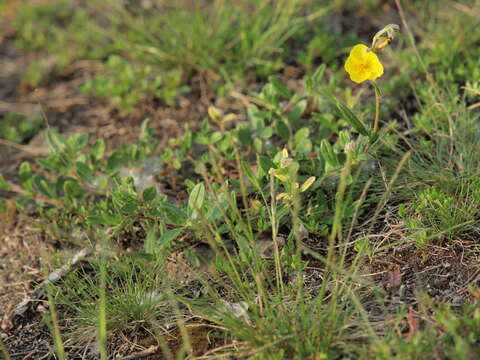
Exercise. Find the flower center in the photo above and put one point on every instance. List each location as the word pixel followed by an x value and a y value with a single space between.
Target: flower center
pixel 364 67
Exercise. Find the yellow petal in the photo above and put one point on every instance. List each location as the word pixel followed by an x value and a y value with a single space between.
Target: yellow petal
pixel 351 65
pixel 377 70
pixel 376 67
pixel 359 76
pixel 358 51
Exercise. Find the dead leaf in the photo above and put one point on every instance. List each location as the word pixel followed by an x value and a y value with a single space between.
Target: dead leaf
pixel 266 247
pixel 238 309
pixel 413 323
pixel 393 279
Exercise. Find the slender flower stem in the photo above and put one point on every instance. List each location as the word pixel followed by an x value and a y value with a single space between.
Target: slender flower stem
pixel 378 97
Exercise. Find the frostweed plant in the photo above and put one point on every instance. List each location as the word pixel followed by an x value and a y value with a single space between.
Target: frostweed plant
pixel 363 64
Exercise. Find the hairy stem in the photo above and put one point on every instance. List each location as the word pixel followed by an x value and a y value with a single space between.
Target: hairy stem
pixel 378 97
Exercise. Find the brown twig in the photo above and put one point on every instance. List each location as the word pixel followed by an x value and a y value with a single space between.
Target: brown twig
pixel 52 277
pixel 141 354
pixel 246 100
pixel 33 150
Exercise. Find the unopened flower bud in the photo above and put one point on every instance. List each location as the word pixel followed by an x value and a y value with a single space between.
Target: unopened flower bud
pixel 350 147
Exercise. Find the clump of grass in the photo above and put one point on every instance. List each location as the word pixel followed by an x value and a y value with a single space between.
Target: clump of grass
pixel 109 297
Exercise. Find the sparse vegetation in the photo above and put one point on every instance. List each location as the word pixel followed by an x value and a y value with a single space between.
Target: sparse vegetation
pixel 202 179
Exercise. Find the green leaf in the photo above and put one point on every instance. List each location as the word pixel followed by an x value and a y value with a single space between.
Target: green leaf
pixel 73 189
pixel 282 129
pixel 374 138
pixel 279 87
pixel 215 137
pixel 244 136
pixel 56 142
pixel 318 76
pixel 257 145
pixel 205 126
pixel 24 172
pixel 195 201
pixel 104 219
pixel 269 95
pixel 167 238
pixel 302 142
pixel 202 139
pixel 83 170
pixel 257 117
pixel 251 176
pixel 52 162
pixel 328 154
pixel 174 215
pixel 349 116
pixel 3 183
pixel 266 133
pixel 129 208
pixel 80 141
pixel 297 111
pixel 115 160
pixel 149 193
pixel 44 187
pixel 301 135
pixel 266 164
pixel 353 120
pixel 187 140
pixel 293 169
pixel 98 149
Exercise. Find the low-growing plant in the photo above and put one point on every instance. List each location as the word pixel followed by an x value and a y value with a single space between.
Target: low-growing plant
pixel 163 47
pixel 447 334
pixel 438 213
pixel 127 84
pixel 19 128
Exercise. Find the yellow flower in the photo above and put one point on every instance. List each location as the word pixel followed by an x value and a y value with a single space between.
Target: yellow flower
pixel 363 65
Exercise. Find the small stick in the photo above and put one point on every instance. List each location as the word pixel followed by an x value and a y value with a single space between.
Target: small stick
pixel 141 354
pixel 34 150
pixel 52 278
